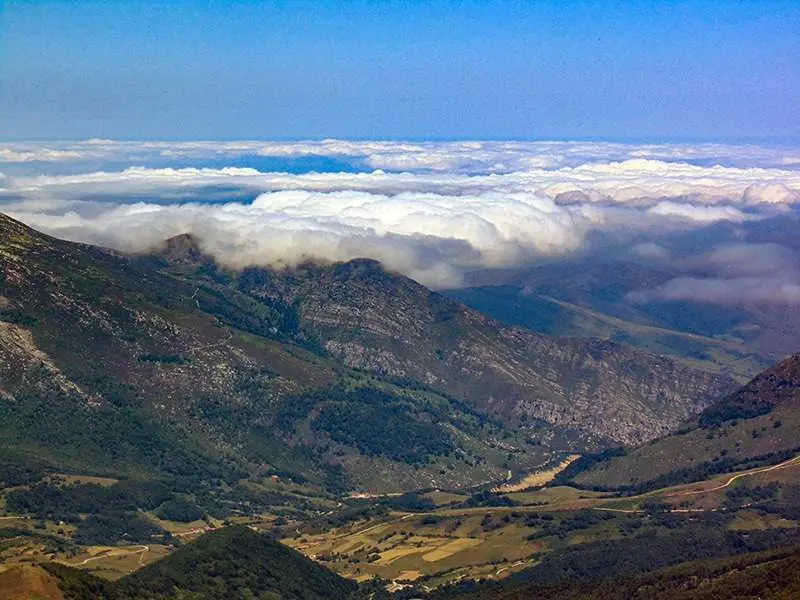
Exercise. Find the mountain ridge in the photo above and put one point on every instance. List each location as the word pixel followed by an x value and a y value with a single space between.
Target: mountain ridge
pixel 161 363
pixel 376 327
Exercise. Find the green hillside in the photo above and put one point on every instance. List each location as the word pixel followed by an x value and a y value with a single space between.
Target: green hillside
pixel 756 425
pixel 234 563
pixel 773 575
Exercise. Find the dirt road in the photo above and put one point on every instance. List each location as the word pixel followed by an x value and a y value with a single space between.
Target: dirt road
pixel 120 552
pixel 792 462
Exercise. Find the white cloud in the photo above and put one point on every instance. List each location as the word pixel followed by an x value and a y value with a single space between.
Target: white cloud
pixel 474 157
pixel 431 210
pixel 737 291
pixel 734 274
pixel 742 260
pixel 771 193
pixel 650 251
pixel 629 182
pixel 430 237
pixel 698 214
pixel 44 154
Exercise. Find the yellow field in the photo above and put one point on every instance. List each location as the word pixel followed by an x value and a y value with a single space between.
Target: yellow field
pixel 444 498
pixel 180 529
pixel 451 548
pixel 559 496
pixel 407 546
pixel 392 555
pixel 538 478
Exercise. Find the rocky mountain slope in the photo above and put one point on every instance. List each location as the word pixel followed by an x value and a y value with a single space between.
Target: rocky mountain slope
pixel 169 364
pixel 757 424
pixel 385 323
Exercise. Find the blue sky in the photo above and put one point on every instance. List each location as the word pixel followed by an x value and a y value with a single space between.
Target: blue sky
pixel 630 70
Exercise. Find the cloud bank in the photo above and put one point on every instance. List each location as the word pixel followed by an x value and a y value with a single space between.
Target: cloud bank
pixel 735 274
pixel 430 210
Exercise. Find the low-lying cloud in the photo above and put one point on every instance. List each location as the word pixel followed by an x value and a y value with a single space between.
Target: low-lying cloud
pixel 467 157
pixel 432 210
pixel 734 274
pixel 736 291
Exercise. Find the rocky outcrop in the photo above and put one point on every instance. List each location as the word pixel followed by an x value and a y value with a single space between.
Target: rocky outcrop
pixel 387 323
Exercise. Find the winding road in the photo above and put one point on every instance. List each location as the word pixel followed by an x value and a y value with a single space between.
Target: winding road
pixel 121 552
pixel 792 462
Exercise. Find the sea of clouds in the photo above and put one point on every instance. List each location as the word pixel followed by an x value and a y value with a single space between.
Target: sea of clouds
pixel 433 210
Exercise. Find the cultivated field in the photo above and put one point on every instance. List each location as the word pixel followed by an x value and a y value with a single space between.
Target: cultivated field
pixel 451 541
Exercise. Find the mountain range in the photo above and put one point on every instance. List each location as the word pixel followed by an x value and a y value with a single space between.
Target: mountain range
pixel 366 420
pixel 170 363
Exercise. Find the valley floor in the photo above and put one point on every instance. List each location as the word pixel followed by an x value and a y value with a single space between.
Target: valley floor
pixel 451 542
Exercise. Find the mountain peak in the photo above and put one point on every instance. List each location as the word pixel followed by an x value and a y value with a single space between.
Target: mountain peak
pixel 16 241
pixel 7 221
pixel 183 249
pixel 12 230
pixel 778 386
